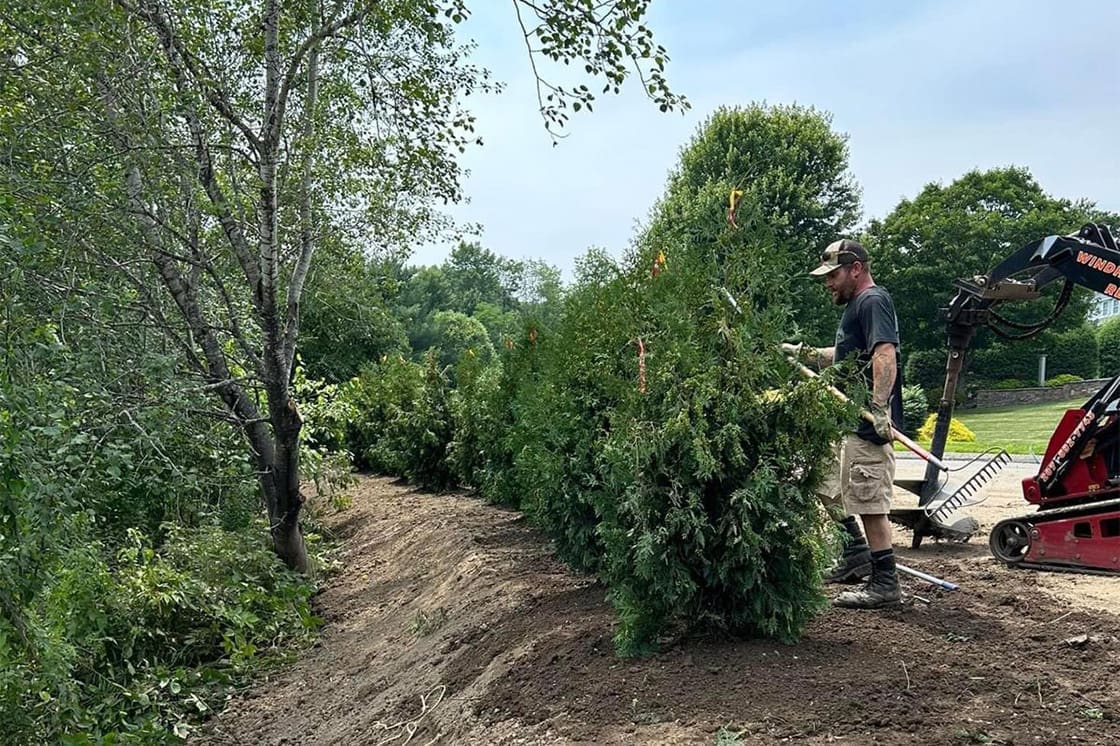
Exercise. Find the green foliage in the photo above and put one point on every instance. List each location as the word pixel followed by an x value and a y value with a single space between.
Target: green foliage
pixel 507 435
pixel 141 644
pixel 497 292
pixel 323 459
pixel 135 581
pixel 728 735
pixel 1012 383
pixel 915 407
pixel 611 42
pixel 792 170
pixel 1011 360
pixel 345 322
pixel 961 230
pixel 578 372
pixel 499 325
pixel 1108 341
pixel 172 274
pixel 212 213
pixel 1064 378
pixel 457 337
pixel 403 423
pixel 477 421
pixel 477 276
pixel 926 368
pixel 1073 352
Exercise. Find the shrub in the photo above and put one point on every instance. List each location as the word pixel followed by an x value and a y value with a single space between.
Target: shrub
pixel 134 584
pixel 1108 342
pixel 641 440
pixel 477 421
pixel 1064 378
pixel 140 645
pixel 925 368
pixel 322 459
pixel 958 431
pixel 1074 352
pixel 458 337
pixel 1012 383
pixel 345 323
pixel 403 425
pixel 915 407
pixel 1003 361
pixel 513 436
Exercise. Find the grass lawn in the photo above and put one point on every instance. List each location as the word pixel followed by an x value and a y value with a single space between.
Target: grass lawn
pixel 1022 429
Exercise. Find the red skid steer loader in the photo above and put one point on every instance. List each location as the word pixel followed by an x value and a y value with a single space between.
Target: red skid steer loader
pixel 1076 526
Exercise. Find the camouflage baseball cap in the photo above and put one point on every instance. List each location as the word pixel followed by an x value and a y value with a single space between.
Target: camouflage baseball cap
pixel 839 253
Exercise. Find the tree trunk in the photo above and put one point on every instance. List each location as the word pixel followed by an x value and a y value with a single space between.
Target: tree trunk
pixel 287 540
pixel 279 480
pixel 283 512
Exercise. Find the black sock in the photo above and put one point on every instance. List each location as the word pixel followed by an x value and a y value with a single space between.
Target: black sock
pixel 855 536
pixel 882 563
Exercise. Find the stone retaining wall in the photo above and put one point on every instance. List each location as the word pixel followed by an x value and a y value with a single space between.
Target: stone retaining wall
pixel 1009 397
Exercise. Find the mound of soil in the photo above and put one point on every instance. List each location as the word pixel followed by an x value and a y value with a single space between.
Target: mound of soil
pixel 451 622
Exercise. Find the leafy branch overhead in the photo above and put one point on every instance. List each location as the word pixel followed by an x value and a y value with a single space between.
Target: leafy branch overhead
pixel 610 39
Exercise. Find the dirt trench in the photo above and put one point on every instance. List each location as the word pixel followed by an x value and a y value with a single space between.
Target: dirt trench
pixel 452 623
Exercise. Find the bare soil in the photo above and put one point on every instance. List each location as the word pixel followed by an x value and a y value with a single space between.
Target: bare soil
pixel 452 623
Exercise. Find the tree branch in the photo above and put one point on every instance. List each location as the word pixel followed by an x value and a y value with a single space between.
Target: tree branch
pixel 230 226
pixel 216 96
pixel 215 369
pixel 311 42
pixel 307 241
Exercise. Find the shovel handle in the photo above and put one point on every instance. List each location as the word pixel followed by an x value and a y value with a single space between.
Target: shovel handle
pixel 928 578
pixel 900 437
pixel 915 448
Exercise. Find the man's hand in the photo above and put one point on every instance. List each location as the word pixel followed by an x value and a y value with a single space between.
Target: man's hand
pixel 882 422
pixel 797 351
pixel 816 357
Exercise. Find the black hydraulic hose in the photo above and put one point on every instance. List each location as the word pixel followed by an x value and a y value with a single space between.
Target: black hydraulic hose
pixel 1034 328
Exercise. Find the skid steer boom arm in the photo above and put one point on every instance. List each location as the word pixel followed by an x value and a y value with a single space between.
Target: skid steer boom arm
pixel 1090 259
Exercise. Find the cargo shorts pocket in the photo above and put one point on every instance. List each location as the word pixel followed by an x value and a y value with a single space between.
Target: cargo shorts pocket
pixel 868 482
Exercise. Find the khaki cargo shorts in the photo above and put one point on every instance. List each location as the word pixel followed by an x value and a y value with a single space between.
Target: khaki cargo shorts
pixel 861 478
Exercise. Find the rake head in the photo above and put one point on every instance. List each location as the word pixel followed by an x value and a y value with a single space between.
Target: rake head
pixel 915 519
pixel 967 493
pixel 932 518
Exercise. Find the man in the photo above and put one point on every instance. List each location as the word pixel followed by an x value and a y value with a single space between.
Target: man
pixel 862 478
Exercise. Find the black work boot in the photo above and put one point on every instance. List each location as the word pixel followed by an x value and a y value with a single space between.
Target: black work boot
pixel 854 564
pixel 881 592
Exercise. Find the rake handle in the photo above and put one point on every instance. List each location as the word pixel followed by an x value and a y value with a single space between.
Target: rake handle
pixel 900 437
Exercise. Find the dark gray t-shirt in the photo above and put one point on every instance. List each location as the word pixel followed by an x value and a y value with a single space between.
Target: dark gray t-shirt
pixel 869 319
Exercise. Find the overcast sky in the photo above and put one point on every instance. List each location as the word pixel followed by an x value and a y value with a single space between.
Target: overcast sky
pixel 924 90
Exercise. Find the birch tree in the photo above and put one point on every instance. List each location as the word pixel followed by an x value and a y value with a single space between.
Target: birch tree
pixel 204 152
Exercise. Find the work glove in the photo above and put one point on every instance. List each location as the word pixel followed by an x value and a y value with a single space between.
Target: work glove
pixel 796 351
pixel 882 422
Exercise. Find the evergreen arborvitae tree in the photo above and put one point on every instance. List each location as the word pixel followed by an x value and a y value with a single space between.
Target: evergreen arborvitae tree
pixel 649 444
